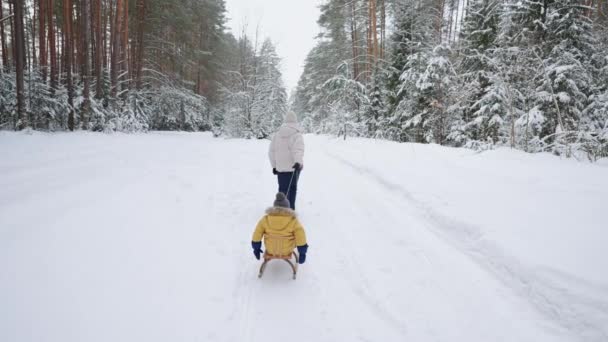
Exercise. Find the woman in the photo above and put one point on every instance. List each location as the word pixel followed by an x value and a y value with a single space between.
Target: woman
pixel 286 155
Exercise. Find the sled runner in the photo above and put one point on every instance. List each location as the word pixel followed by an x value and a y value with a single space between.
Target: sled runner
pixel 274 245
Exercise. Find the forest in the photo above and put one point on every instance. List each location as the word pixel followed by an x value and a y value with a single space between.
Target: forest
pixel 135 65
pixel 527 74
pixel 532 75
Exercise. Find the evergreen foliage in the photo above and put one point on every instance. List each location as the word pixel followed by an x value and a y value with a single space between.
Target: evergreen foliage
pixel 520 73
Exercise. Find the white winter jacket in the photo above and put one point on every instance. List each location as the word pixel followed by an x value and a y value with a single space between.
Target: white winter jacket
pixel 287 147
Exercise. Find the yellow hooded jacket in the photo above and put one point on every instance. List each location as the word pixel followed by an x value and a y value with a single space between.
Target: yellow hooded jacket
pixel 281 222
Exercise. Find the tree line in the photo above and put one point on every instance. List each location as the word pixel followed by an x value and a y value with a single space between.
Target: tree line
pixel 132 65
pixel 478 73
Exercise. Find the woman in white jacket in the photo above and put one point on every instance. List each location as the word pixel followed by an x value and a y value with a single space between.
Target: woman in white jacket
pixel 286 155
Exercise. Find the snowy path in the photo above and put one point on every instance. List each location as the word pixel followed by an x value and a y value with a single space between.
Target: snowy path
pixel 146 238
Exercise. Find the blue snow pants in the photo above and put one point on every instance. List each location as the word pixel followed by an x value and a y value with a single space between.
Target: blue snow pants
pixel 284 179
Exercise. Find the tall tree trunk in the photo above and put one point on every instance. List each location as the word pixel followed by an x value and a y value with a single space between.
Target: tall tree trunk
pixel 457 23
pixel 107 44
pixel 99 54
pixel 19 38
pixel 139 42
pixel 450 20
pixel 61 41
pixel 77 38
pixel 353 28
pixel 5 59
pixel 383 29
pixel 124 57
pixel 115 54
pixel 374 30
pixel 370 50
pixel 86 67
pixel 67 18
pixel 33 60
pixel 93 42
pixel 440 11
pixel 12 25
pixel 42 36
pixel 52 46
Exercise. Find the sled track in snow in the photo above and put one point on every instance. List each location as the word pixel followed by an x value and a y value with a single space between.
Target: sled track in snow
pixel 352 265
pixel 570 310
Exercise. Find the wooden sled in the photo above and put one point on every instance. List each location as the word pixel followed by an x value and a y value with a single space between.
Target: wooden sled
pixel 275 243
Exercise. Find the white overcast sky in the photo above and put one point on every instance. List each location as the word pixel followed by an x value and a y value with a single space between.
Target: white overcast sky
pixel 291 24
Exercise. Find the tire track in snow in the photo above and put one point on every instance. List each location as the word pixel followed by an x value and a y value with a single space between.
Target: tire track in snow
pixel 566 309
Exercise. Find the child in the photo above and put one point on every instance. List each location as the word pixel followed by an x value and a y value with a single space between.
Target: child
pixel 281 221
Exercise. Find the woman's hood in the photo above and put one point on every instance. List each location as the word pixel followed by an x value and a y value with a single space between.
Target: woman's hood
pixel 289 129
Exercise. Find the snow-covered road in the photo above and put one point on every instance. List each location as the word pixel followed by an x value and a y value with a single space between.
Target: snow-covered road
pixel 147 238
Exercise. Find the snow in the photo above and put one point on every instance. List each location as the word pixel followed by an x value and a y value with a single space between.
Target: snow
pixel 146 237
pixel 563 97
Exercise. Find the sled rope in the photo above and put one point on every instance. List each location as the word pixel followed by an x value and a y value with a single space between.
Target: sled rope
pixel 290 180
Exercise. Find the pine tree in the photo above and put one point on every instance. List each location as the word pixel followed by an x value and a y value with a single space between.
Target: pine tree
pixel 271 98
pixel 375 111
pixel 434 88
pixel 563 91
pixel 413 41
pixel 482 104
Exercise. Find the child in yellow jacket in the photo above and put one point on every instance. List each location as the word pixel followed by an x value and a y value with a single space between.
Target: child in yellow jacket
pixel 281 221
